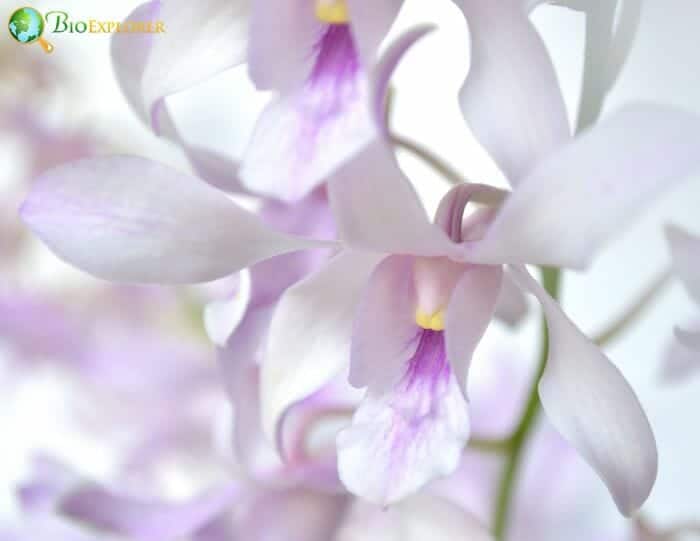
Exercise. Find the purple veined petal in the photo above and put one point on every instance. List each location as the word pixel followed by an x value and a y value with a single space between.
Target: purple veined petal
pixel 511 98
pixel 387 64
pixel 590 403
pixel 147 520
pixel 296 514
pixel 409 433
pixel 371 21
pixel 377 209
pixel 309 337
pixel 129 219
pixel 685 251
pixel 282 37
pixel 469 313
pixel 418 518
pixel 303 136
pixel 131 54
pixel 689 339
pixel 384 329
pixel 221 317
pixel 572 202
pixel 185 55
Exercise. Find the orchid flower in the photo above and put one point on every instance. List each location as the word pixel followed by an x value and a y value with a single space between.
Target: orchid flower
pixel 317 54
pixel 425 307
pixel 129 219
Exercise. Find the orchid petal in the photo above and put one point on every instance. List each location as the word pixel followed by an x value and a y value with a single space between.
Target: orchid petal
pixel 573 201
pixel 130 219
pixel 239 362
pixel 417 518
pixel 591 404
pixel 213 167
pixel 299 140
pixel 283 34
pixel 221 317
pixel 187 54
pixel 309 336
pixel 377 209
pixel 404 435
pixel 147 521
pixel 130 56
pixel 469 313
pixel 385 328
pixel 371 21
pixel 387 64
pixel 511 98
pixel 685 251
pixel 511 306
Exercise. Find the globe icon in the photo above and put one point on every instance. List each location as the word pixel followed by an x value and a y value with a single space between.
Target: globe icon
pixel 26 25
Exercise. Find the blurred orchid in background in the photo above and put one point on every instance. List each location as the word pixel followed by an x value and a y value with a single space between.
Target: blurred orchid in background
pixel 326 362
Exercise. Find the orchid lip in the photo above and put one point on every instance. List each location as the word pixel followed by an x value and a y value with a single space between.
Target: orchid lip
pixel 332 11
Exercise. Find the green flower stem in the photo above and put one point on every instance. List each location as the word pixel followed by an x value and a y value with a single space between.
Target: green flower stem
pixel 491 446
pixel 552 283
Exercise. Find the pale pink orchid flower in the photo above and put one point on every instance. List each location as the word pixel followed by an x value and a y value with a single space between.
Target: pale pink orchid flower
pixel 423 312
pixel 129 219
pixel 413 331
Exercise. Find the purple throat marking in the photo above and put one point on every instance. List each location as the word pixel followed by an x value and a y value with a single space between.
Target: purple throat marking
pixel 333 85
pixel 417 402
pixel 428 368
pixel 337 62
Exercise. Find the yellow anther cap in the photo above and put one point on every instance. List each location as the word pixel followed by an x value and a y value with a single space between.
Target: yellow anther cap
pixel 431 322
pixel 332 11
